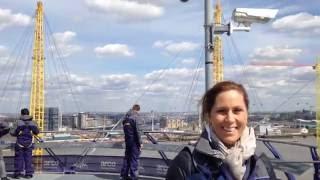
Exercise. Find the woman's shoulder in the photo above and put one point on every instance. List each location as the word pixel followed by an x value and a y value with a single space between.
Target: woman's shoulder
pixel 260 166
pixel 187 163
pixel 182 165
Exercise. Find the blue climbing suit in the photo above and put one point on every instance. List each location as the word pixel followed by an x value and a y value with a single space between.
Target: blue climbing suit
pixel 133 145
pixel 24 131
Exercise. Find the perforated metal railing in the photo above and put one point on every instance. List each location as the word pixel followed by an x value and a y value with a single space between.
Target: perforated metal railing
pixel 277 154
pixel 149 166
pixel 68 162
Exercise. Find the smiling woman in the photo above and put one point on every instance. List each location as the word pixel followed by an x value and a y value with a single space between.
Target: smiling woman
pixel 226 148
pixel 225 110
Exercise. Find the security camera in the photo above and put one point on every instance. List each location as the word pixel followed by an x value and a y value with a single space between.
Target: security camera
pixel 247 16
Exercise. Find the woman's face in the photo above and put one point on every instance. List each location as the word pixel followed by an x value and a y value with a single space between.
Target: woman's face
pixel 229 116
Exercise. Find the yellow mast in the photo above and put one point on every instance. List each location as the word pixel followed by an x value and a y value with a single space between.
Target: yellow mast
pixel 37 86
pixel 217 52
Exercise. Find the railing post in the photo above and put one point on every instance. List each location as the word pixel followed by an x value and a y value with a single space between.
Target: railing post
pixel 316 166
pixel 162 154
pixel 277 155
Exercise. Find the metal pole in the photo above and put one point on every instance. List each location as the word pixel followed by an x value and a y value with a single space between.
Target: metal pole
pixel 208 44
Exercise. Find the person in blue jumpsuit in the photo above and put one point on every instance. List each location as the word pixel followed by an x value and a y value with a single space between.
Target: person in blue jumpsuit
pixel 24 131
pixel 4 129
pixel 133 144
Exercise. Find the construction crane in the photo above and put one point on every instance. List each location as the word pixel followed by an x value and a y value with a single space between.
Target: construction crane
pixel 37 86
pixel 316 67
pixel 217 51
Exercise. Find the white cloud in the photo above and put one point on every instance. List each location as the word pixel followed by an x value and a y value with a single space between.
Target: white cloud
pixel 162 2
pixel 173 48
pixel 303 74
pixel 301 23
pixel 114 50
pixel 124 89
pixel 80 80
pixel 161 44
pixel 7 64
pixel 65 37
pixel 275 54
pixel 176 73
pixel 281 82
pixel 117 92
pixel 125 10
pixel 64 45
pixel 259 73
pixel 188 61
pixel 7 19
pixel 271 86
pixel 181 47
pixel 160 88
pixel 3 52
pixel 91 85
pixel 117 81
pixel 63 81
pixel 290 9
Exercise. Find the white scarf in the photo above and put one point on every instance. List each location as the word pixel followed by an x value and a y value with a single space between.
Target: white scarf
pixel 236 156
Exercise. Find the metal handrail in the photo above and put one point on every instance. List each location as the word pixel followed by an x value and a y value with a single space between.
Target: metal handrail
pixel 286 142
pixel 276 154
pixel 115 145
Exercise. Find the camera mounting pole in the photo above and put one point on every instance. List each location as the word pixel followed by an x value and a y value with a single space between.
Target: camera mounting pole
pixel 244 16
pixel 208 43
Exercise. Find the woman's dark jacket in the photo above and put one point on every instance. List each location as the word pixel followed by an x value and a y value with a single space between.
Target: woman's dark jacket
pixel 200 164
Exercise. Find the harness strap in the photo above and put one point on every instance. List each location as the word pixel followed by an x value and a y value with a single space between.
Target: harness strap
pixel 20 145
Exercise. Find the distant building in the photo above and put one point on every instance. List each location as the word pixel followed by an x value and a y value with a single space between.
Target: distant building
pixel 90 123
pixel 163 122
pixel 81 121
pixel 305 114
pixel 267 129
pixel 176 124
pixel 74 121
pixel 85 121
pixel 51 119
pixel 69 121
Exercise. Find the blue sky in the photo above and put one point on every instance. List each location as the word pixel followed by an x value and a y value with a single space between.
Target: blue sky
pixel 119 52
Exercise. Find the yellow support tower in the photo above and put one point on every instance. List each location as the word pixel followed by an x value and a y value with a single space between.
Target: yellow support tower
pixel 217 52
pixel 37 87
pixel 317 67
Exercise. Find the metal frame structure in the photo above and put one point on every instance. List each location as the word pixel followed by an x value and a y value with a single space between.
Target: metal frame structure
pixel 277 155
pixel 217 51
pixel 37 87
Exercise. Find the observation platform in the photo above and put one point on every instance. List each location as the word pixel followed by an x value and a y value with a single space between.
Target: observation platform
pixel 103 160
